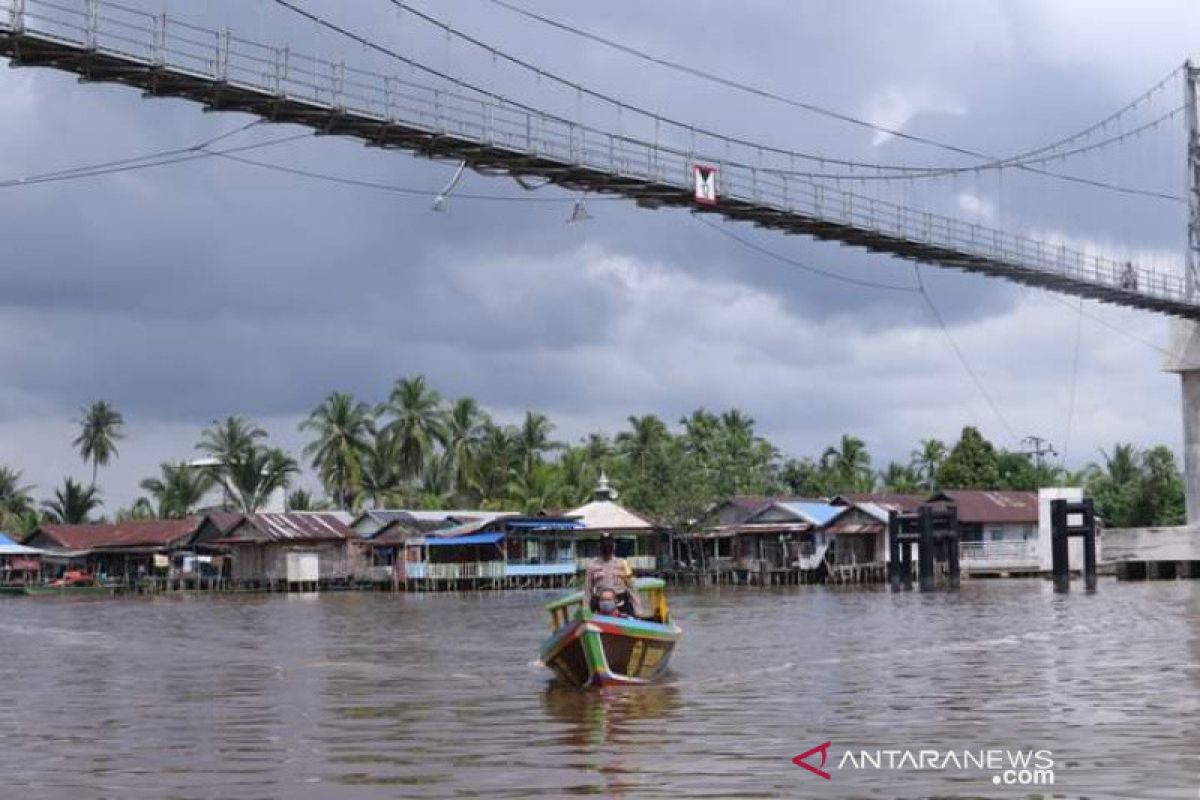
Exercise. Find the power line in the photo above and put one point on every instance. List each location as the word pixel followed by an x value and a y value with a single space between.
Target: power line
pixel 962 359
pixel 411 191
pixel 800 264
pixel 696 72
pixel 143 162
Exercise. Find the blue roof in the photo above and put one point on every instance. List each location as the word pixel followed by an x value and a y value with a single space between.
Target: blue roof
pixel 471 538
pixel 545 524
pixel 10 548
pixel 816 513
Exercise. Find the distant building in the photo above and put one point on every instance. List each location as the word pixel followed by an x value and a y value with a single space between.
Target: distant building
pixel 289 549
pixel 639 541
pixel 122 552
pixel 18 563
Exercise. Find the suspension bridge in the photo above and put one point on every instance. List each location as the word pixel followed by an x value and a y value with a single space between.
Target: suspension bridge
pixel 165 56
pixel 656 162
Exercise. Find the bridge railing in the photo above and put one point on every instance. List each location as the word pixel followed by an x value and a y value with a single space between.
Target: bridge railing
pixel 646 148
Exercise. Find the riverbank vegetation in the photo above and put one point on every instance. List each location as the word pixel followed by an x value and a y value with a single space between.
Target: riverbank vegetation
pixel 418 449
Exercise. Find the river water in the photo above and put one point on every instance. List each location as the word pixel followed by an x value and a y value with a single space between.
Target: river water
pixel 379 696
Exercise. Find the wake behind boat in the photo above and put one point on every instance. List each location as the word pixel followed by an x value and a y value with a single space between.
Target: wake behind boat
pixel 592 649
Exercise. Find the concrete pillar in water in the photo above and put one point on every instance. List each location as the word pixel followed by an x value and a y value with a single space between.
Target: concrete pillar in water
pixel 1184 358
pixel 1184 353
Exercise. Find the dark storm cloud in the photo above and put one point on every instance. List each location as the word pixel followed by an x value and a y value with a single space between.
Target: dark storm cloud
pixel 192 291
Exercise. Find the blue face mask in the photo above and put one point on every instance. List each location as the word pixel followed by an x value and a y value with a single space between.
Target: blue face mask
pixel 607 606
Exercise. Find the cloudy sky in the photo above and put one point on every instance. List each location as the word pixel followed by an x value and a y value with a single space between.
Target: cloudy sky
pixel 189 292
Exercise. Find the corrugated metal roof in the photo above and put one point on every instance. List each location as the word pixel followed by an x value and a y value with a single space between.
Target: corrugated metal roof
pixel 132 533
pixel 10 548
pixel 295 526
pixel 816 513
pixel 474 538
pixel 983 506
pixel 900 502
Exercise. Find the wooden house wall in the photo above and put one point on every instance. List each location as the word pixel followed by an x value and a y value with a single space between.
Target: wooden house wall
pixel 267 561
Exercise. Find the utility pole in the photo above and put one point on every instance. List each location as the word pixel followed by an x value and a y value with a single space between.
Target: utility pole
pixel 1038 447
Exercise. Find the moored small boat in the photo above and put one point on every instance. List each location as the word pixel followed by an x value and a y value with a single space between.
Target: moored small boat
pixel 591 649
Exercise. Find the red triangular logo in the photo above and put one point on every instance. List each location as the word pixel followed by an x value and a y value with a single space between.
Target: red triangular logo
pixel 823 749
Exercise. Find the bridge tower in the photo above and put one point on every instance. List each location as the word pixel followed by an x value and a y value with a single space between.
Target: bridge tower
pixel 1184 357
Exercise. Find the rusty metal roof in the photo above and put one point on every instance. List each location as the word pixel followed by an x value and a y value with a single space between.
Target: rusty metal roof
pixel 293 526
pixel 888 500
pixel 132 533
pixel 984 506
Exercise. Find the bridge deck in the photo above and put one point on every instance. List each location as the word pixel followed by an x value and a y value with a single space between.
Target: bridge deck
pixel 166 57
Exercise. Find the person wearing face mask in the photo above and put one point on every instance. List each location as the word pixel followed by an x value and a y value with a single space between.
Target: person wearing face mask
pixel 612 574
pixel 606 604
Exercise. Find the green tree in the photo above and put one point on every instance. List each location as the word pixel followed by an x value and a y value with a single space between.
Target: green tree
pixel 535 489
pixel 251 476
pixel 971 464
pixel 900 478
pixel 382 482
pixel 1135 488
pixel 927 460
pixel 847 467
pixel 16 499
pixel 101 427
pixel 178 491
pixel 73 503
pixel 498 460
pixel 303 500
pixel 465 427
pixel 344 429
pixel 228 438
pixel 533 440
pixel 418 423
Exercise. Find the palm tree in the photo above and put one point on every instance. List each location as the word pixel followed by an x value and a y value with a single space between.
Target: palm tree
pixel 178 490
pixel 229 437
pixel 533 439
pixel 927 459
pixel 99 431
pixel 417 423
pixel 141 509
pixel 849 465
pixel 1121 465
pixel 15 499
pixel 436 483
pixel 900 478
pixel 344 429
pixel 464 436
pixel 303 500
pixel 72 504
pixel 535 490
pixel 577 474
pixel 496 462
pixel 643 440
pixel 251 476
pixel 381 479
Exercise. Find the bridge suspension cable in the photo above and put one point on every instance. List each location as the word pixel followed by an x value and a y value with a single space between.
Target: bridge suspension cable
pixel 827 112
pixel 882 172
pixel 904 172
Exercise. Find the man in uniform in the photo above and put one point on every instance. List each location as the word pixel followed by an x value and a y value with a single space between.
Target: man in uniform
pixel 610 572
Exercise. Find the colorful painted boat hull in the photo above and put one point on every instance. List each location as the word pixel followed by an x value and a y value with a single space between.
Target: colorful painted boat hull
pixel 595 650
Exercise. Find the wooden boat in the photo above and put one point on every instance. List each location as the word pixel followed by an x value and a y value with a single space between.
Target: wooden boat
pixel 74 583
pixel 68 590
pixel 591 649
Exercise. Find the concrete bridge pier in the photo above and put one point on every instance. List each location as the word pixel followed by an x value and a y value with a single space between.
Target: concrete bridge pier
pixel 1184 358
